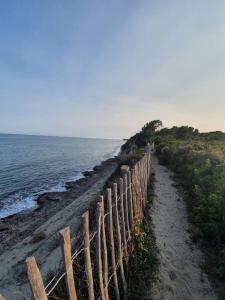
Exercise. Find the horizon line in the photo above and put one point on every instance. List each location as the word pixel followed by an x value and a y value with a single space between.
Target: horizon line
pixel 60 136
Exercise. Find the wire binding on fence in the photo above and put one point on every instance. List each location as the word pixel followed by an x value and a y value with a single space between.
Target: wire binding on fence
pixel 75 255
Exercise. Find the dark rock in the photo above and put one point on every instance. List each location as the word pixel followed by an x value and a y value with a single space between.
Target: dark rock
pixel 88 173
pixel 172 275
pixel 39 236
pixel 97 168
pixel 69 185
pixel 5 227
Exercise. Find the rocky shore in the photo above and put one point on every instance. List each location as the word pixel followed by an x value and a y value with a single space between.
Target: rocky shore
pixel 18 226
pixel 35 233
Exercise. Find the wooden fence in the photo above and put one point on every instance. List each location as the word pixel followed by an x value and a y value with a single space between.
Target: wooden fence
pixel 98 266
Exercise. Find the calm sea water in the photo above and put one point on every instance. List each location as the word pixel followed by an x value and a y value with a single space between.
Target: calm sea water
pixel 31 165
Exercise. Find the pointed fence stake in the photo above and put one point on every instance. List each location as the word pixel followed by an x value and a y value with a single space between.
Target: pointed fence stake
pixel 105 252
pixel 66 248
pixel 99 249
pixel 35 279
pixel 87 256
pixel 111 241
pixel 118 230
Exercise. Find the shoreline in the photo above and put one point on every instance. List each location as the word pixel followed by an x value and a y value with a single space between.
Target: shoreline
pixel 49 203
pixel 64 187
pixel 36 233
pixel 73 184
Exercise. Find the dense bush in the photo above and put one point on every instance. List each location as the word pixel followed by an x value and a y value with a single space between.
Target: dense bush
pixel 198 162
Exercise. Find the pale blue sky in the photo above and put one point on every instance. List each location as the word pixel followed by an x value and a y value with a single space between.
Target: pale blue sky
pixel 104 68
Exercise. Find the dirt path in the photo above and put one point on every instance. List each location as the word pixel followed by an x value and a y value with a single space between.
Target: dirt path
pixel 180 275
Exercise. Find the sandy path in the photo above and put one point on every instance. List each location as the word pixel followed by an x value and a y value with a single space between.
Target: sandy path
pixel 180 276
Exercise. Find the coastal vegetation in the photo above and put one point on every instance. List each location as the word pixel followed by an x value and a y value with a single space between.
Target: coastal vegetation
pixel 146 136
pixel 144 264
pixel 198 162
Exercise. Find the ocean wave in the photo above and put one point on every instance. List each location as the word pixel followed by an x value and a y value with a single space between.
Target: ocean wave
pixel 16 203
pixel 12 208
pixel 19 202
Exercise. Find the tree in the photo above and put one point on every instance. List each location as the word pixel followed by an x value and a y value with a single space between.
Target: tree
pixel 149 130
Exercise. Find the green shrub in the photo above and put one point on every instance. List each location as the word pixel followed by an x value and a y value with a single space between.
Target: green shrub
pixel 198 162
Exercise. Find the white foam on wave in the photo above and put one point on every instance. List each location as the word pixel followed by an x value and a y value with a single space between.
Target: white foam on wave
pixel 77 177
pixel 114 153
pixel 18 206
pixel 60 187
pixel 117 150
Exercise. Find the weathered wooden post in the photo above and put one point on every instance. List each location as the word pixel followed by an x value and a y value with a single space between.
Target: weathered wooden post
pixel 111 239
pixel 138 191
pixel 99 249
pixel 87 255
pixel 134 196
pixel 66 248
pixel 124 239
pixel 126 208
pixel 35 279
pixel 105 252
pixel 130 202
pixel 120 253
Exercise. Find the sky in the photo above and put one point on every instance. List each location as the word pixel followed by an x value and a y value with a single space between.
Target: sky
pixel 103 68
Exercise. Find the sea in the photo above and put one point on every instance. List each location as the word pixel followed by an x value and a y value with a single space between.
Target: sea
pixel 31 165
